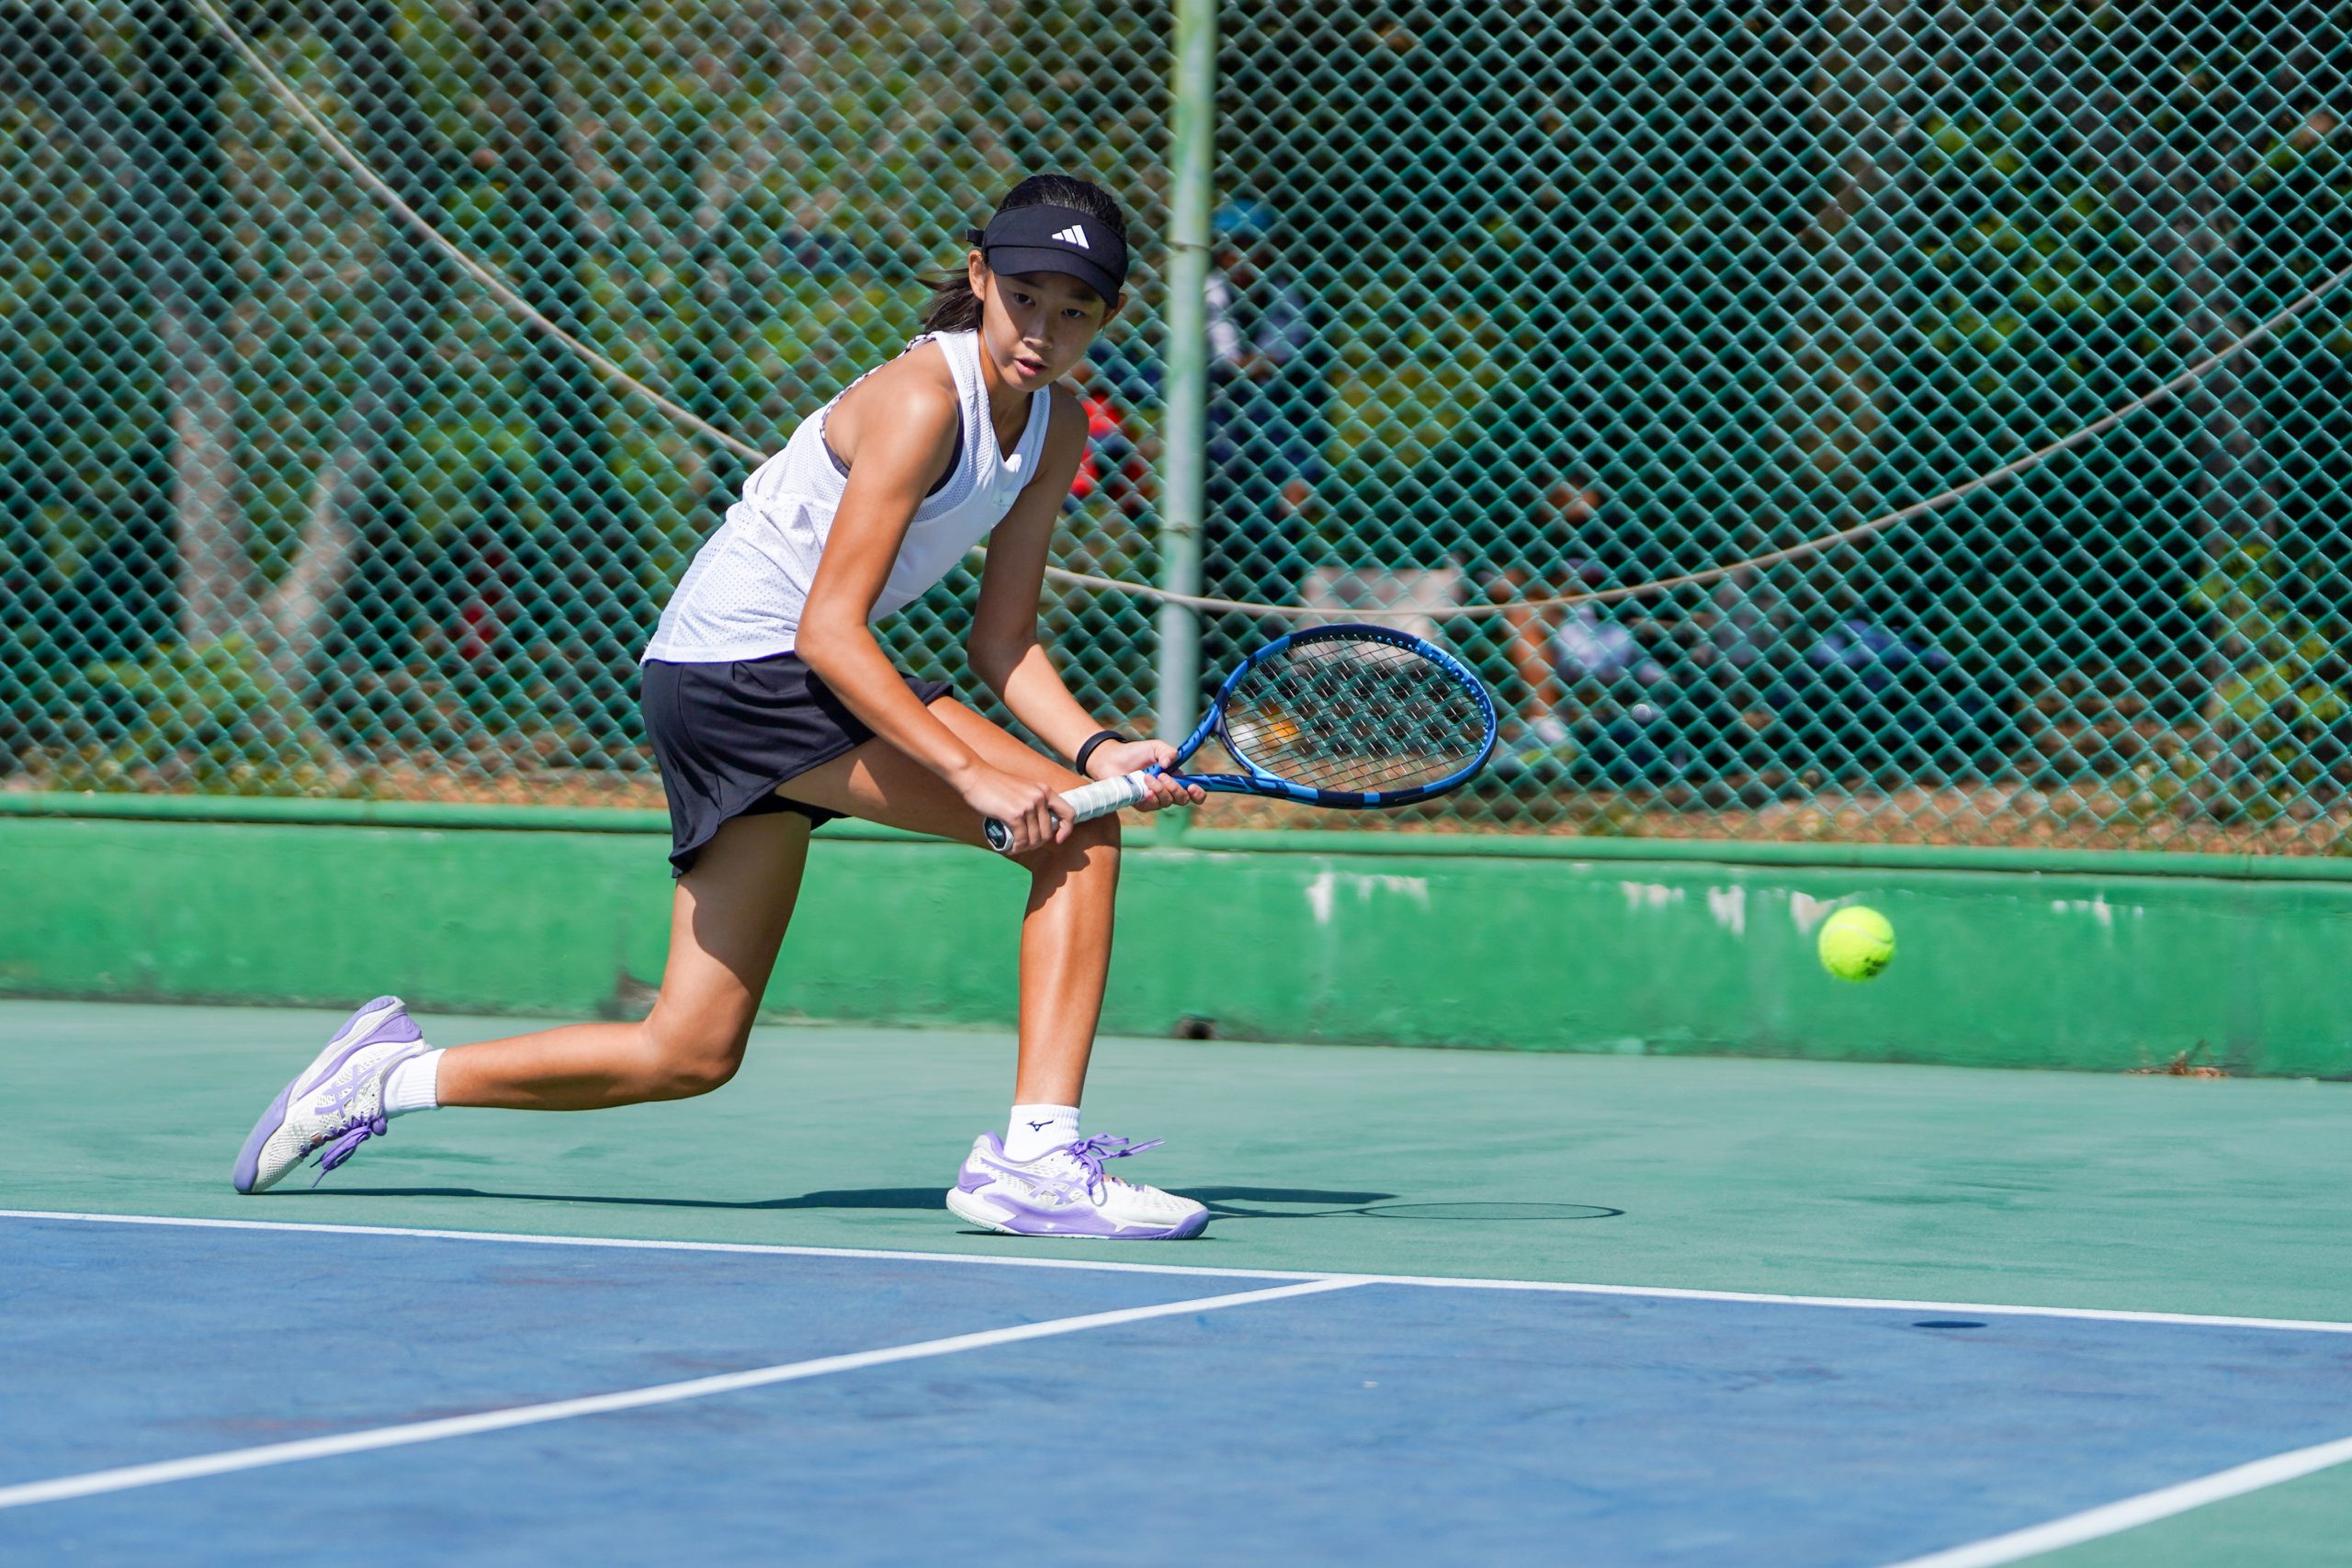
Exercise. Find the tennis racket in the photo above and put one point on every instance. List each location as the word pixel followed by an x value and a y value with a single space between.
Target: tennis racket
pixel 1342 715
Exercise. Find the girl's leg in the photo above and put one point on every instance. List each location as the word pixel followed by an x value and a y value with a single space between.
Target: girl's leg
pixel 1066 933
pixel 728 918
pixel 1065 950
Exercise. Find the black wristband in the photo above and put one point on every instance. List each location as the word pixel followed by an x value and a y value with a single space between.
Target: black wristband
pixel 1087 750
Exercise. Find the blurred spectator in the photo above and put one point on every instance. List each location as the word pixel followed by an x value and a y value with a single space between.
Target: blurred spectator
pixel 1113 466
pixel 1867 697
pixel 1121 367
pixel 1746 621
pixel 1588 646
pixel 1739 643
pixel 1530 556
pixel 1267 389
pixel 1502 530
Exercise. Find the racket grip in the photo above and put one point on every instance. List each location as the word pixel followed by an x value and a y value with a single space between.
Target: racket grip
pixel 1087 801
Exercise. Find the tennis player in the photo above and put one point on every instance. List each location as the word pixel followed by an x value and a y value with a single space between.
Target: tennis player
pixel 772 710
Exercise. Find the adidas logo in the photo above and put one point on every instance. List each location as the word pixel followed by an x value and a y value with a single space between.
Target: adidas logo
pixel 1074 235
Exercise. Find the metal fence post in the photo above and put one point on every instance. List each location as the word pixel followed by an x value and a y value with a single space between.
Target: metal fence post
pixel 1183 436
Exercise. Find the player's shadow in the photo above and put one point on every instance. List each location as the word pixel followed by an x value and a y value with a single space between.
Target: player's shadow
pixel 1243 1203
pixel 1223 1203
pixel 853 1198
pixel 1297 1202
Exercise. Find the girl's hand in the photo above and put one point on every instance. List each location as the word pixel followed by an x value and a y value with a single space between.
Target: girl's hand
pixel 1134 757
pixel 1035 812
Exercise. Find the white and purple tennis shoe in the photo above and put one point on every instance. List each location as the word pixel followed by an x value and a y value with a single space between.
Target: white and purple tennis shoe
pixel 1065 1192
pixel 338 1100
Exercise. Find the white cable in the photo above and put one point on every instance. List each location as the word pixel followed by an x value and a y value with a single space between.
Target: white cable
pixel 486 275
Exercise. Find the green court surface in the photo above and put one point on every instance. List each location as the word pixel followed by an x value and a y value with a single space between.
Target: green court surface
pixel 1908 1183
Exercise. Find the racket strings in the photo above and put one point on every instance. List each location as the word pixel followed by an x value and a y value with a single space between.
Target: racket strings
pixel 1354 716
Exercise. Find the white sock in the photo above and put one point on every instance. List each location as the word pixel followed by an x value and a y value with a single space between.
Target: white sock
pixel 414 1085
pixel 1037 1128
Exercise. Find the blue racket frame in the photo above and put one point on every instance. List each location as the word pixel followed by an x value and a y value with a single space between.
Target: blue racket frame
pixel 1257 781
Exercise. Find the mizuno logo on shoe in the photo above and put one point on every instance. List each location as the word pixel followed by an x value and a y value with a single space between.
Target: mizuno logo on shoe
pixel 1074 235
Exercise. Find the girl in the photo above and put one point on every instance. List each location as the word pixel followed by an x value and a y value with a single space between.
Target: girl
pixel 772 709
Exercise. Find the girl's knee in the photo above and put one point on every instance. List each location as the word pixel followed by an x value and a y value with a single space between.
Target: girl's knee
pixel 1088 844
pixel 682 1077
pixel 692 1059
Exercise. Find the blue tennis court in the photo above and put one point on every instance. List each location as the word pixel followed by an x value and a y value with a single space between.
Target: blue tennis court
pixel 457 1398
pixel 1600 1310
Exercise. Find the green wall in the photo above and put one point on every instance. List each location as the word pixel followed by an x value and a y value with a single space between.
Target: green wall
pixel 2089 962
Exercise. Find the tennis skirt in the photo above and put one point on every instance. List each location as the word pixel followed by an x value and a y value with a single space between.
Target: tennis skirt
pixel 727 735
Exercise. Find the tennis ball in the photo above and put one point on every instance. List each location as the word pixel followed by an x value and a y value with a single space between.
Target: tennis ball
pixel 1856 943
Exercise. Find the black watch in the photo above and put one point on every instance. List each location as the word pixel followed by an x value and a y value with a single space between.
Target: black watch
pixel 1087 751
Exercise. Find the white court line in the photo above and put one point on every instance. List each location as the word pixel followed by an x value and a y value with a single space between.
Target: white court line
pixel 2115 1517
pixel 1878 1303
pixel 131 1476
pixel 634 1244
pixel 1431 1282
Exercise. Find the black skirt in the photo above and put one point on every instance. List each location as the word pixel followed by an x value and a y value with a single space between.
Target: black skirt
pixel 727 735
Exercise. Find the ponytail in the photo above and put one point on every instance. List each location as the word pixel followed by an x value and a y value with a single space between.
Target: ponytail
pixel 953 306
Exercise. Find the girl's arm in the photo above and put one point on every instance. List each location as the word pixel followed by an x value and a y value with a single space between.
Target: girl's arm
pixel 910 433
pixel 1002 646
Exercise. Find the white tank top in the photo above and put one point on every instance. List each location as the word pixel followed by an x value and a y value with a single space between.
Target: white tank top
pixel 743 596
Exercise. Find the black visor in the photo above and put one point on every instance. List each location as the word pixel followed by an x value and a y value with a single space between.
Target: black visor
pixel 1056 239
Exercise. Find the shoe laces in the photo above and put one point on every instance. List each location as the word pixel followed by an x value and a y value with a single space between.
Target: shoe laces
pixel 344 1086
pixel 1090 1153
pixel 347 1131
pixel 343 1148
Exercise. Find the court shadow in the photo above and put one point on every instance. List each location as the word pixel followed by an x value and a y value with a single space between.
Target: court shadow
pixel 853 1198
pixel 1457 1212
pixel 1300 1203
pixel 1223 1203
pixel 1228 1203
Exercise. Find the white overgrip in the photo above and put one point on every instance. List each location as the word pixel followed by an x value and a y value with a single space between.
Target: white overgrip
pixel 1086 803
pixel 1105 796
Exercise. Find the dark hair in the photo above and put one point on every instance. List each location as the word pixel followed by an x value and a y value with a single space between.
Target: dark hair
pixel 953 306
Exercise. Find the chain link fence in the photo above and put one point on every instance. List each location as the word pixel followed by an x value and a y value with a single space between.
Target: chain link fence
pixel 1506 303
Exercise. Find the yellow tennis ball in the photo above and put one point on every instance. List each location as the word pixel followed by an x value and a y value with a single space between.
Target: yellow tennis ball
pixel 1857 943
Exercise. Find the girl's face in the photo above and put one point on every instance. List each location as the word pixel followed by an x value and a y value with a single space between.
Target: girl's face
pixel 1035 326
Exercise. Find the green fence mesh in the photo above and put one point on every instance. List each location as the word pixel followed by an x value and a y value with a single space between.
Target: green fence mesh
pixel 1509 303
